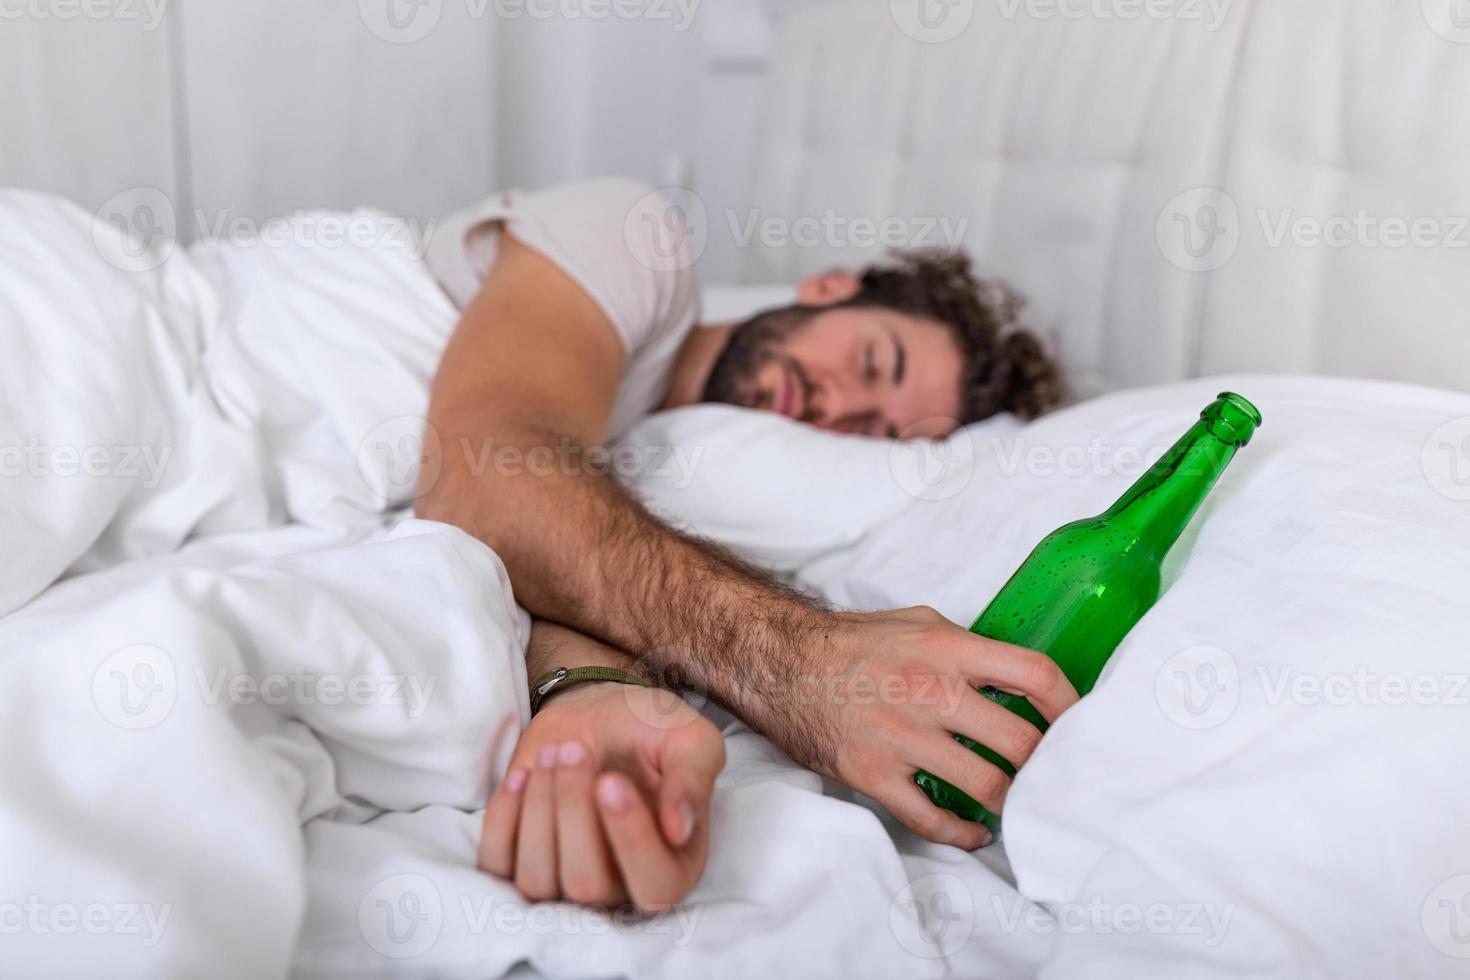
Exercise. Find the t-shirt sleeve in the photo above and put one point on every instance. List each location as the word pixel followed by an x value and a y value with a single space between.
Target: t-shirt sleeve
pixel 629 246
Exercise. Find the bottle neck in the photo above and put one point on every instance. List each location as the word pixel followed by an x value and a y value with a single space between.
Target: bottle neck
pixel 1158 507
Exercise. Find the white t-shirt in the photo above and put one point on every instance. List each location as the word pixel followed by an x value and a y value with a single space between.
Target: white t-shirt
pixel 620 240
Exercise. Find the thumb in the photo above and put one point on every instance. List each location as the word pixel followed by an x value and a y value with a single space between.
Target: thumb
pixel 692 759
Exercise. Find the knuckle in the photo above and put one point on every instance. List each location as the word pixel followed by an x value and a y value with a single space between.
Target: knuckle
pixel 926 823
pixel 658 897
pixel 1039 672
pixel 1021 741
pixel 991 783
pixel 586 889
pixel 533 890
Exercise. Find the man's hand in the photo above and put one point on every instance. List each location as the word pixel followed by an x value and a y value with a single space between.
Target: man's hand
pixel 606 799
pixel 882 695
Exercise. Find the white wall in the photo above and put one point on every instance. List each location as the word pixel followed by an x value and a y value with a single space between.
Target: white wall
pixel 235 110
pixel 245 110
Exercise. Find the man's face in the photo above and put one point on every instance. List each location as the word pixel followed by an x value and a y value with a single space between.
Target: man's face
pixel 865 370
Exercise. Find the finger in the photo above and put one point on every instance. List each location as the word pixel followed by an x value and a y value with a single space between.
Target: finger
pixel 691 762
pixel 498 831
pixel 999 730
pixel 535 873
pixel 914 810
pixel 1017 670
pixel 651 874
pixel 978 778
pixel 585 870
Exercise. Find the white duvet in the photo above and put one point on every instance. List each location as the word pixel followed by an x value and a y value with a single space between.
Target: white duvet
pixel 249 731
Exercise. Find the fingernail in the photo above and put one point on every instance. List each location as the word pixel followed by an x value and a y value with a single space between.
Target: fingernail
pixel 515 780
pixel 686 823
pixel 572 753
pixel 612 794
pixel 986 837
pixel 548 757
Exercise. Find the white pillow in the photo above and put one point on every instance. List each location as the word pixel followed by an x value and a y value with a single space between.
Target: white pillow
pixel 782 493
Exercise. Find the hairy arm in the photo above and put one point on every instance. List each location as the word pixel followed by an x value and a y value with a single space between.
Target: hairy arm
pixel 525 387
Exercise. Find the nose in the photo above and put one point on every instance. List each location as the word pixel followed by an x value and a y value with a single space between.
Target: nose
pixel 842 405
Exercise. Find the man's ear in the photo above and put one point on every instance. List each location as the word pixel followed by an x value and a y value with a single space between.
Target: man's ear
pixel 827 288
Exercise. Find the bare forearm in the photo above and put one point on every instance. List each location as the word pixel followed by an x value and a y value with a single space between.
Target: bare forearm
pixel 582 553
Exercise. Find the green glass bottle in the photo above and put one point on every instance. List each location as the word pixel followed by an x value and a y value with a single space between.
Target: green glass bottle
pixel 1087 583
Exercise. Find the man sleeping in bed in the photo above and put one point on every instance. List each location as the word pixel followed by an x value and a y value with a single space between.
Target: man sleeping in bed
pixel 578 318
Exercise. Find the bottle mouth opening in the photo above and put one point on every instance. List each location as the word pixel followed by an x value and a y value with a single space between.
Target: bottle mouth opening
pixel 1232 418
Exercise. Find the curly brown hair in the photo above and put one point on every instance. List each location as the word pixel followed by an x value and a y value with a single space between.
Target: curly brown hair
pixel 1006 367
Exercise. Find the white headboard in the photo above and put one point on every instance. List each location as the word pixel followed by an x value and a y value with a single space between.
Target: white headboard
pixel 1077 142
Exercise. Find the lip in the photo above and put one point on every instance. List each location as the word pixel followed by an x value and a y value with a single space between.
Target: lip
pixel 791 396
pixel 786 394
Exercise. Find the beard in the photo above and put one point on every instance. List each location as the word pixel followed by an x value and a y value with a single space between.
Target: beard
pixel 753 344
